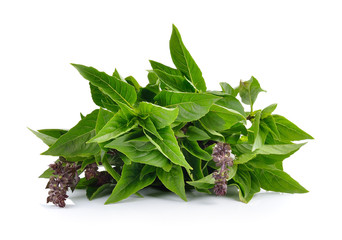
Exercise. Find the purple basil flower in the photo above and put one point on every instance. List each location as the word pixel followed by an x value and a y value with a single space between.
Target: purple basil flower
pixel 223 158
pixel 64 176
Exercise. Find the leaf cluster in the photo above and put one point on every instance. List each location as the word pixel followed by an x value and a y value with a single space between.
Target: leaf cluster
pixel 162 134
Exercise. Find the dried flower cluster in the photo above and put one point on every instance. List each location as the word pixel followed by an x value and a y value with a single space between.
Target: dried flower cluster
pixel 223 158
pixel 64 176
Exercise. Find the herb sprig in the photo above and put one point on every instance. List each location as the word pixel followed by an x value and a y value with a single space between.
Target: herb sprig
pixel 172 133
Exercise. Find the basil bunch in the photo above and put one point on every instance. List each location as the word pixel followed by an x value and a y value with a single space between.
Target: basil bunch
pixel 172 134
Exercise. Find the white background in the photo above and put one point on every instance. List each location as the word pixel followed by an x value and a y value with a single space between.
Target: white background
pixel 294 49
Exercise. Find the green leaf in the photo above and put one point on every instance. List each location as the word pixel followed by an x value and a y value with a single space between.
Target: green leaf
pixel 243 178
pixel 97 192
pixel 277 149
pixel 47 173
pixel 270 124
pixel 117 75
pixel 245 157
pixel 173 180
pixel 152 78
pixel 267 111
pixel 278 181
pixel 184 62
pixel 192 106
pixel 214 135
pixel 193 148
pixel 148 125
pixel 207 182
pixel 47 138
pixel 231 102
pixel 169 146
pixel 147 169
pixel 248 184
pixel 56 133
pixel 109 168
pixel 161 116
pixel 102 119
pixel 174 82
pixel 118 90
pixel 195 163
pixel 196 134
pixel 255 128
pixel 73 143
pixel 221 118
pixel 130 182
pixel 115 127
pixel 249 90
pixel 102 100
pixel 289 131
pixel 161 67
pixel 145 153
pixel 132 81
pixel 228 89
pixel 270 160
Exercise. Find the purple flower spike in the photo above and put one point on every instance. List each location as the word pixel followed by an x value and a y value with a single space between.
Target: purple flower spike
pixel 223 158
pixel 64 176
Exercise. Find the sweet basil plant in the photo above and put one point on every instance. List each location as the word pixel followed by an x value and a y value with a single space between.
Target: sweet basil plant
pixel 172 134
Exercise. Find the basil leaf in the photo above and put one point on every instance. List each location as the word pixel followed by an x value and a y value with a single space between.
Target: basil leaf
pixel 270 124
pixel 161 67
pixel 278 181
pixel 277 149
pixel 184 62
pixel 231 102
pixel 102 119
pixel 226 88
pixel 161 116
pixel 267 111
pixel 47 173
pixel 169 146
pixel 147 169
pixel 174 82
pixel 97 192
pixel 130 182
pixel 245 157
pixel 48 137
pixel 148 125
pixel 257 139
pixel 207 182
pixel 109 168
pixel 288 130
pixel 115 127
pixel 193 148
pixel 132 81
pixel 173 180
pixel 220 118
pixel 196 134
pixel 73 143
pixel 192 106
pixel 141 154
pixel 248 184
pixel 117 75
pixel 249 91
pixel 55 133
pixel 102 100
pixel 195 163
pixel 116 89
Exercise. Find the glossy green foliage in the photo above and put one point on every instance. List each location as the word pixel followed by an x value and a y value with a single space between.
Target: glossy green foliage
pixel 192 106
pixel 163 134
